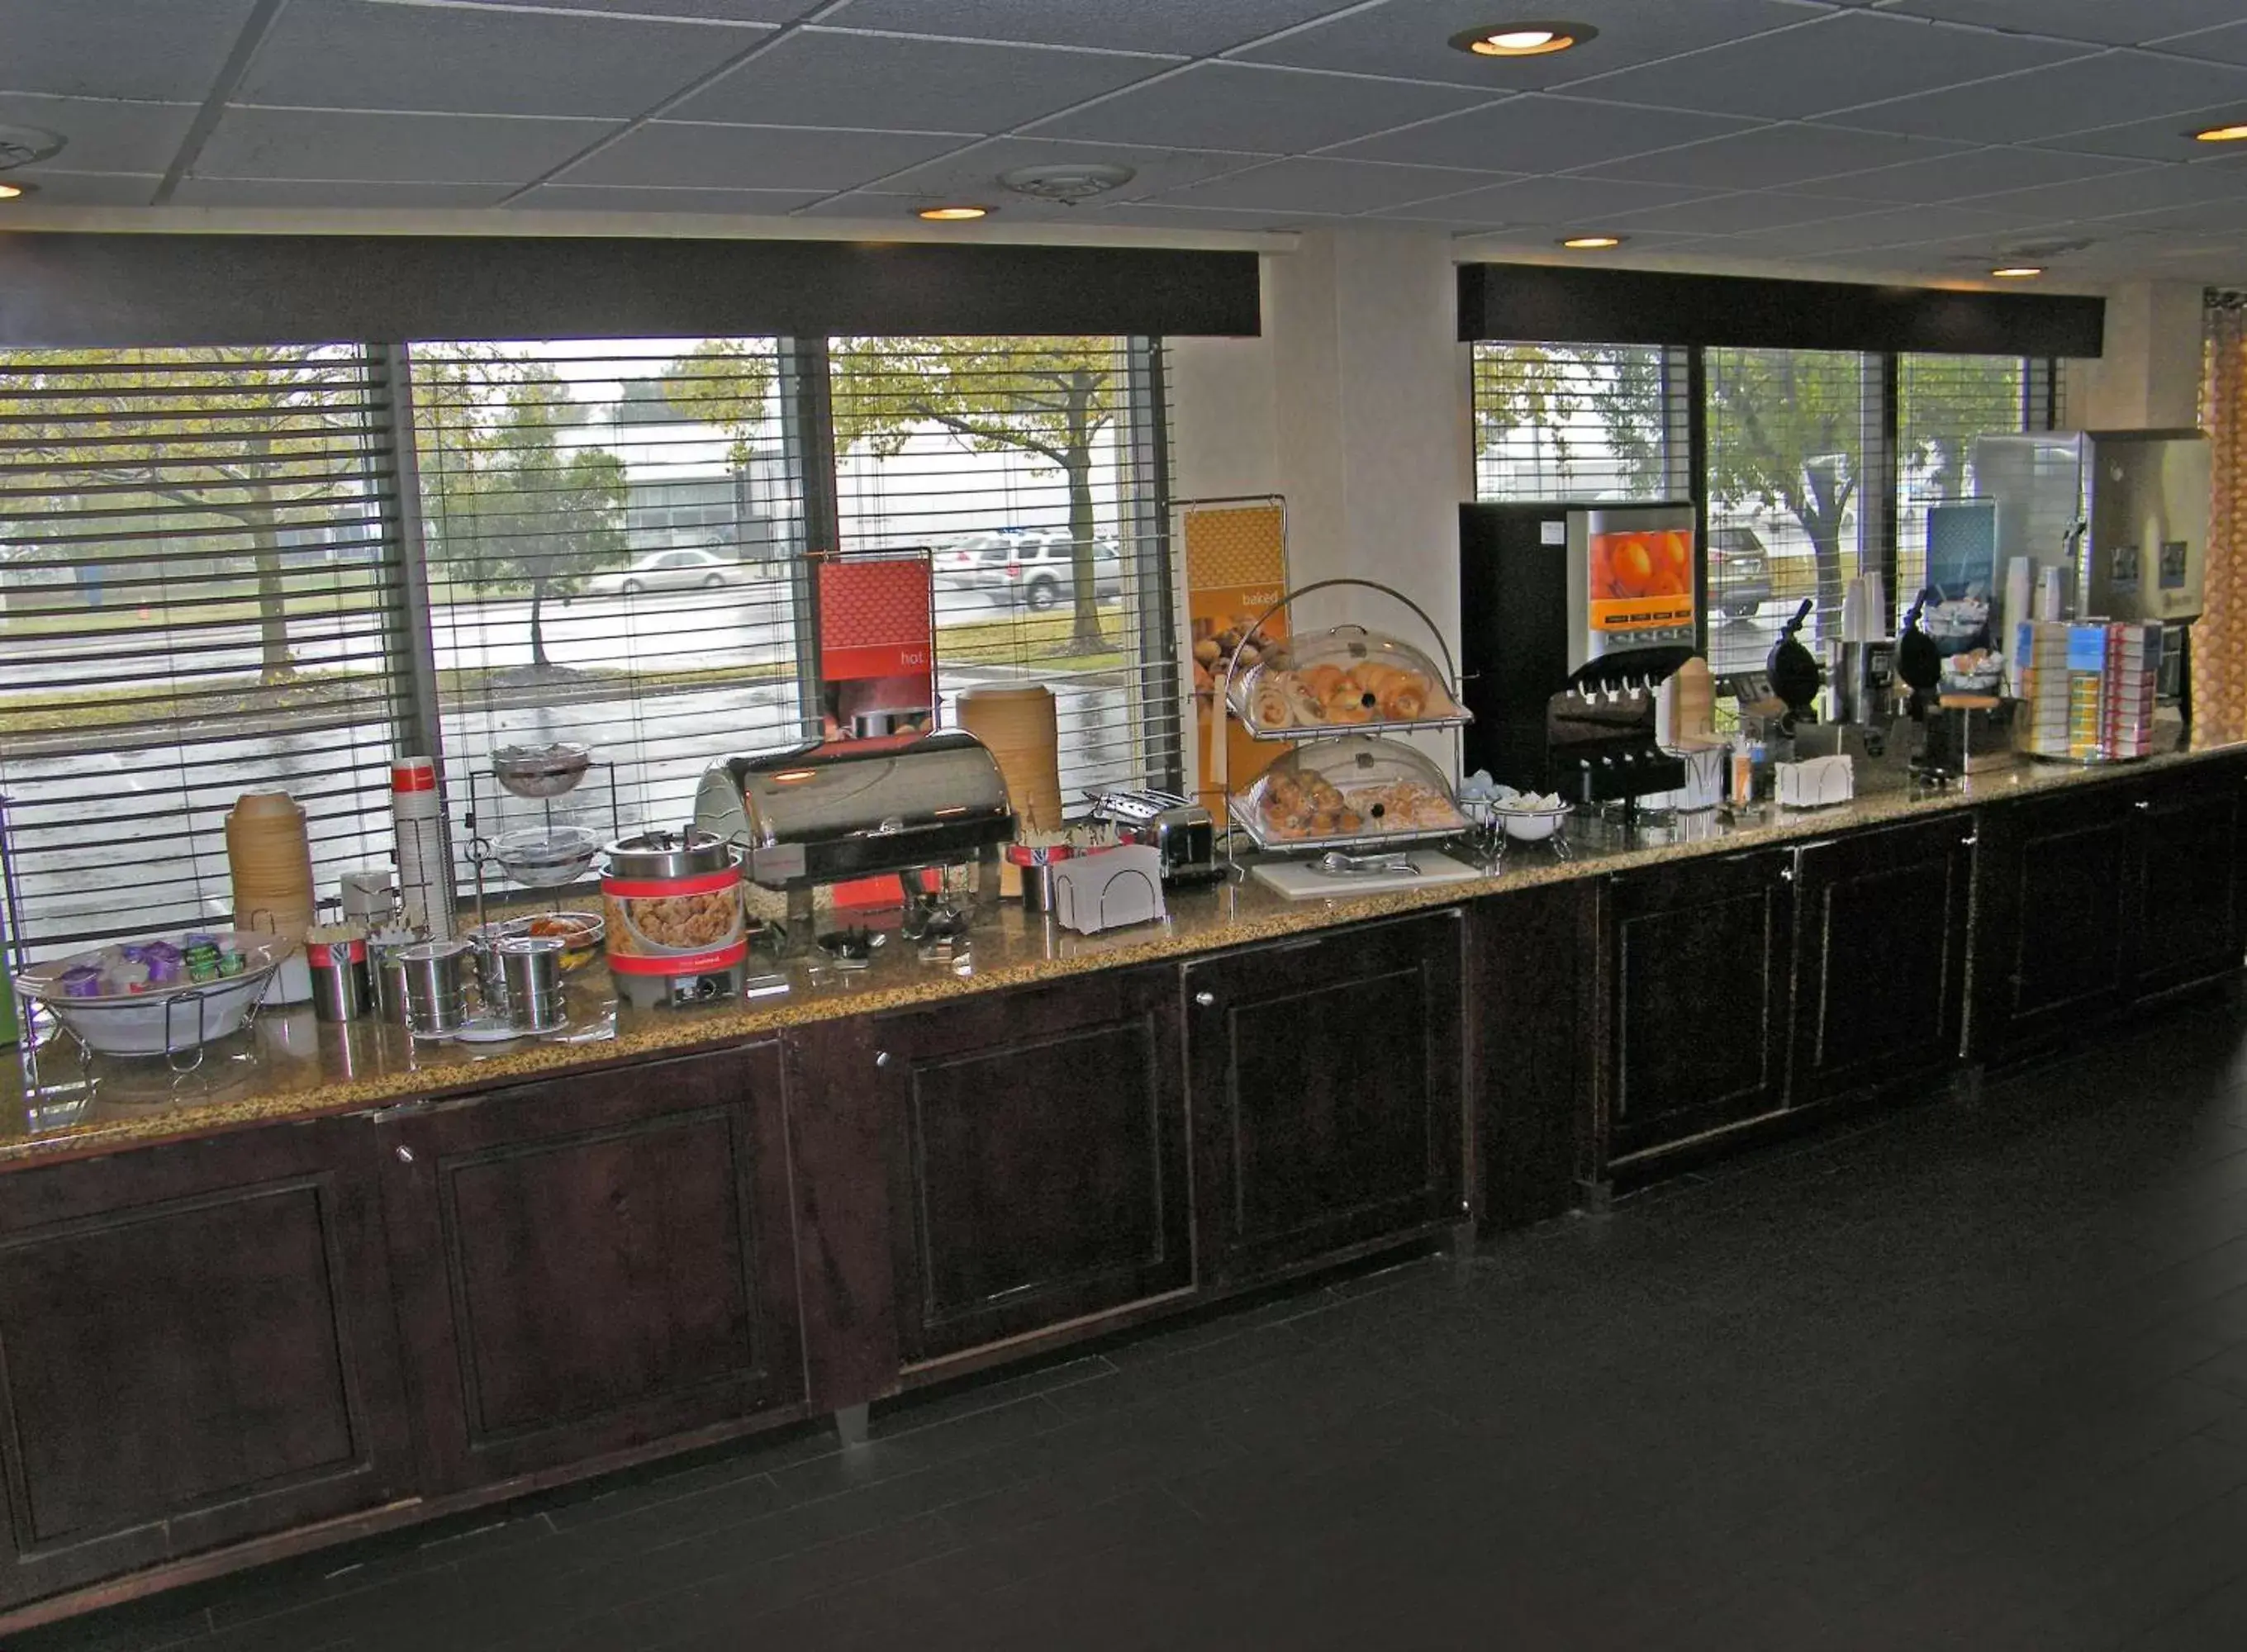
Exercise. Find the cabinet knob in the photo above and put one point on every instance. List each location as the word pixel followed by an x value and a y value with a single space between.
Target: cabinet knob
pixel 404 1154
pixel 1970 839
pixel 881 1058
pixel 1205 999
pixel 2143 802
pixel 1786 874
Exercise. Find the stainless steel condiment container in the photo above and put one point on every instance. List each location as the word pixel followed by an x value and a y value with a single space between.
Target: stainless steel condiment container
pixel 532 966
pixel 341 991
pixel 436 977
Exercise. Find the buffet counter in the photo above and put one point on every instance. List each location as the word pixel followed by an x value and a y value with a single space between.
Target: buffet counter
pixel 458 1273
pixel 56 1102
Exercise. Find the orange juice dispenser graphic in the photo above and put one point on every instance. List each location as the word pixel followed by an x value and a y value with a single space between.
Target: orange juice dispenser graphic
pixel 1638 579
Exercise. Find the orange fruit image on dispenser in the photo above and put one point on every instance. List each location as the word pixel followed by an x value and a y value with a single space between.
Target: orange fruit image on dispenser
pixel 1632 568
pixel 1678 563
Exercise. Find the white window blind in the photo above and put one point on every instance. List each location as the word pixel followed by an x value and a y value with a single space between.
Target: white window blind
pixel 1580 421
pixel 614 538
pixel 198 577
pixel 1792 436
pixel 1031 468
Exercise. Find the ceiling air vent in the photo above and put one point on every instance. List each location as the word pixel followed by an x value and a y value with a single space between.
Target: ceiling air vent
pixel 1066 183
pixel 21 146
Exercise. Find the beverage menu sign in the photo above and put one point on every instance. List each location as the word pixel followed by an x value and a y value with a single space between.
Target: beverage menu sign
pixel 1641 581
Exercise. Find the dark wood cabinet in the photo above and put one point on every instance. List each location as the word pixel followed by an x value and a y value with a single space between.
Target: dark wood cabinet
pixel 1036 1142
pixel 1328 1088
pixel 2183 897
pixel 1534 983
pixel 1880 957
pixel 589 1263
pixel 195 1349
pixel 1697 986
pixel 2050 911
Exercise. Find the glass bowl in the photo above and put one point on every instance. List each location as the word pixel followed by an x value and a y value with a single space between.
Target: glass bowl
pixel 540 856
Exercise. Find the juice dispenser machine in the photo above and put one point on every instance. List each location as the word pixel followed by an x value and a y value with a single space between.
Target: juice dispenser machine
pixel 1558 598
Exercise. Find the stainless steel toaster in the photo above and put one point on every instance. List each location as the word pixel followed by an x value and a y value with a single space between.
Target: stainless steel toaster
pixel 1176 828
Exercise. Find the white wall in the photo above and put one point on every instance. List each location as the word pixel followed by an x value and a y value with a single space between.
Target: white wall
pixel 2147 377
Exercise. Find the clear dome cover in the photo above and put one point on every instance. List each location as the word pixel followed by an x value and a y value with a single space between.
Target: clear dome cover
pixel 1340 681
pixel 1354 790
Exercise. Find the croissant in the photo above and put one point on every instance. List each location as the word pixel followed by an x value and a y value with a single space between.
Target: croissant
pixel 1345 703
pixel 1304 706
pixel 1321 679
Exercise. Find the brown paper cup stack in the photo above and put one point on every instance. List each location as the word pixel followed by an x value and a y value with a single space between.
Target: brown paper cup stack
pixel 271 855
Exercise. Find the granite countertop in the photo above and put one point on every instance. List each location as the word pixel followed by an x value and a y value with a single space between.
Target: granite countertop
pixel 58 1102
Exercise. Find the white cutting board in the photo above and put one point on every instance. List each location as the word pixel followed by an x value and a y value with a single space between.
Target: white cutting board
pixel 1297 881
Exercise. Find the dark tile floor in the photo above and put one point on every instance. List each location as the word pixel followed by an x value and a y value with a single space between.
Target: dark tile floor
pixel 1969 1376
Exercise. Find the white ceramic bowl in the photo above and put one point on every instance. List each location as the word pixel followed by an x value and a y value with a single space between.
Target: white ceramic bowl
pixel 169 1020
pixel 1532 825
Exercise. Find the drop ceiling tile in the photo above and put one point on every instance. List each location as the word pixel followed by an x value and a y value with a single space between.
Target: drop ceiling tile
pixel 1902 226
pixel 2043 103
pixel 1968 173
pixel 2226 44
pixel 1749 210
pixel 2139 191
pixel 1155 215
pixel 158 50
pixel 972 173
pixel 1230 105
pixel 2226 217
pixel 336 143
pixel 2162 138
pixel 1411 38
pixel 104 136
pixel 1547 201
pixel 332 194
pixel 1832 62
pixel 1773 158
pixel 772 11
pixel 1186 29
pixel 1540 133
pixel 747 203
pixel 1314 183
pixel 684 155
pixel 880 82
pixel 2118 23
pixel 342 54
pixel 57 188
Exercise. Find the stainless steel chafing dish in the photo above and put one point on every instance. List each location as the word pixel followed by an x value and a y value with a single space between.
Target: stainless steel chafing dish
pixel 827 810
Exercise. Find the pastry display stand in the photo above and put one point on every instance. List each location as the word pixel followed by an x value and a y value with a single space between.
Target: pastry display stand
pixel 480 848
pixel 1243 820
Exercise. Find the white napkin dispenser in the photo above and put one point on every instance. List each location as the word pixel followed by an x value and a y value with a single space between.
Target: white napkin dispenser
pixel 1110 889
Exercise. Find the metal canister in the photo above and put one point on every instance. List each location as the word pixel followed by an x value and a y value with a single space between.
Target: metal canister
pixel 341 991
pixel 491 982
pixel 532 966
pixel 436 981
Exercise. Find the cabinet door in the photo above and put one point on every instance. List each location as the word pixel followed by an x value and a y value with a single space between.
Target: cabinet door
pixel 1698 983
pixel 195 1349
pixel 2049 917
pixel 1036 1143
pixel 1880 957
pixel 588 1264
pixel 1328 1085
pixel 1535 975
pixel 2184 880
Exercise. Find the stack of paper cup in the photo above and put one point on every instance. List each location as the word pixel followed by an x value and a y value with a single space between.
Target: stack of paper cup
pixel 425 866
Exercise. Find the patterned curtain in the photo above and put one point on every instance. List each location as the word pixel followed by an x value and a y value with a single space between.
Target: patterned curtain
pixel 2219 641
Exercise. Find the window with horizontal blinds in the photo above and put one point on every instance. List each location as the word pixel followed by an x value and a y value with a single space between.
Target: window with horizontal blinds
pixel 198 598
pixel 1793 437
pixel 1580 421
pixel 1942 403
pixel 613 539
pixel 1031 469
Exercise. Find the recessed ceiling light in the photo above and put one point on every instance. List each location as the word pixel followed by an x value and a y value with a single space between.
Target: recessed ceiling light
pixel 11 191
pixel 2232 133
pixel 1522 40
pixel 952 214
pixel 1592 243
pixel 2018 272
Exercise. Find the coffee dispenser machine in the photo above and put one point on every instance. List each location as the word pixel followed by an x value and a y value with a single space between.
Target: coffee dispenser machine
pixel 1570 616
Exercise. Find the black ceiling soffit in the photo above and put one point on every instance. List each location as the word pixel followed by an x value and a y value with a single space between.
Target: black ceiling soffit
pixel 65 290
pixel 1543 303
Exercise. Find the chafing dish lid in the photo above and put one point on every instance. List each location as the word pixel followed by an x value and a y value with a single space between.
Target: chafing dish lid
pixel 822 790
